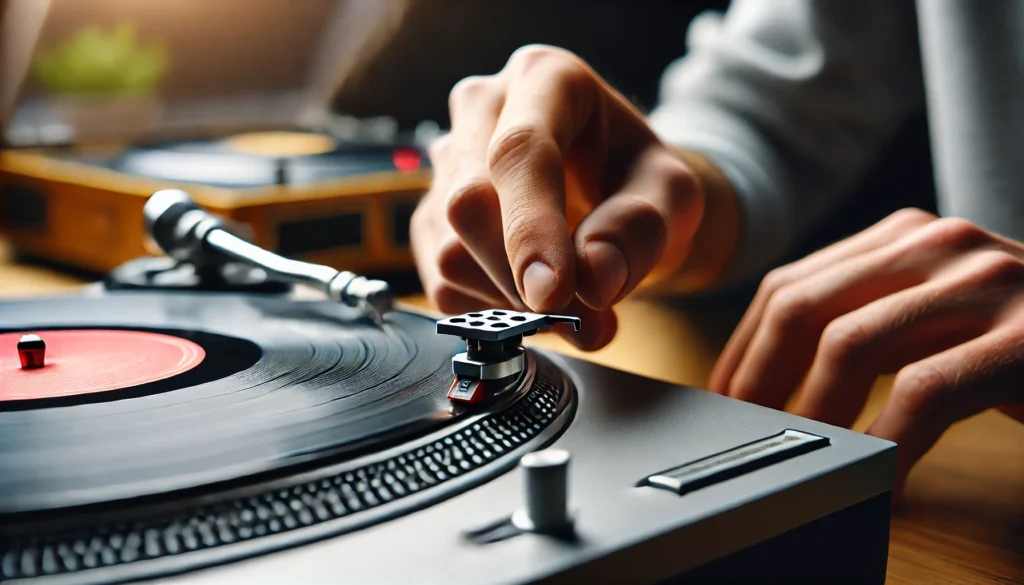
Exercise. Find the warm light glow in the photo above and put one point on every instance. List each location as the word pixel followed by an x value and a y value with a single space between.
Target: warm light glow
pixel 280 144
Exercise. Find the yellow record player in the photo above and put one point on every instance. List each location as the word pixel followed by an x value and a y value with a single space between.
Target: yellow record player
pixel 107 101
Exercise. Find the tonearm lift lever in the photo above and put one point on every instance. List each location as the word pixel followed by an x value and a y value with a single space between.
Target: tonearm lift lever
pixel 187 233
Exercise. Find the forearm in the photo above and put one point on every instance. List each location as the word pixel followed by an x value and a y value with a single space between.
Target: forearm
pixel 787 105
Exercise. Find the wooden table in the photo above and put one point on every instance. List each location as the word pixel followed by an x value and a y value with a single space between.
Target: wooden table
pixel 964 518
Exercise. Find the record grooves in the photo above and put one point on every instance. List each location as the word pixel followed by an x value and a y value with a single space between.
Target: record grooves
pixel 291 512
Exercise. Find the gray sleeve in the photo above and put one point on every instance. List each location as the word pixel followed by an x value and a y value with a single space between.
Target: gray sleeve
pixel 791 99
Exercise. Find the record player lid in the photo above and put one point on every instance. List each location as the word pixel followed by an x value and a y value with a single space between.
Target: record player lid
pixel 73 71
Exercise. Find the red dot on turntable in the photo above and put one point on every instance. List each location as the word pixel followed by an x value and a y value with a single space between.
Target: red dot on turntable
pixel 87 361
pixel 406 159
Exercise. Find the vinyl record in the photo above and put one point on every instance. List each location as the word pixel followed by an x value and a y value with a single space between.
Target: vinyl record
pixel 263 159
pixel 145 393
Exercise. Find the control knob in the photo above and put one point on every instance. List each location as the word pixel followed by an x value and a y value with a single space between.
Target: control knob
pixel 546 491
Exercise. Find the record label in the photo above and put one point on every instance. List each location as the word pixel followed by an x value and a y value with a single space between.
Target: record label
pixel 93 360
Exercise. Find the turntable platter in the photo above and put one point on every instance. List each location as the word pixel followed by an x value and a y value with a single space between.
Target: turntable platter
pixel 221 387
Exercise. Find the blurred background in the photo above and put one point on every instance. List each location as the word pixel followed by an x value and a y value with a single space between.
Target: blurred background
pixel 629 42
pixel 365 58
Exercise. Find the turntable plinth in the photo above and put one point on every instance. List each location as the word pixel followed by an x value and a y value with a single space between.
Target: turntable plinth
pixel 83 209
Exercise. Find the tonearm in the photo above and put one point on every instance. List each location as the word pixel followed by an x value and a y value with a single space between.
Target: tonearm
pixel 189 234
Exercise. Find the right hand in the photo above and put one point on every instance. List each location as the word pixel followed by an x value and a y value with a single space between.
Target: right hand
pixel 550 194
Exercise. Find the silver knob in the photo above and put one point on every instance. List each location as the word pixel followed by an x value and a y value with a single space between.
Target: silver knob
pixel 546 487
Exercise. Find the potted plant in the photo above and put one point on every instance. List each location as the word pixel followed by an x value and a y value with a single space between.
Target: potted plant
pixel 104 83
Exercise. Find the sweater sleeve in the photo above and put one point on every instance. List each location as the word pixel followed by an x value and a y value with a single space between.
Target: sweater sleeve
pixel 791 100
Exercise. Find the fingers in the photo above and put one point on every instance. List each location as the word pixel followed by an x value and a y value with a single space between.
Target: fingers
pixel 882 233
pixel 475 104
pixel 966 299
pixel 555 94
pixel 554 97
pixel 470 200
pixel 452 301
pixel 941 288
pixel 622 240
pixel 599 326
pixel 450 298
pixel 474 214
pixel 456 284
pixel 451 278
pixel 883 337
pixel 518 141
pixel 796 315
pixel 930 395
pixel 457 267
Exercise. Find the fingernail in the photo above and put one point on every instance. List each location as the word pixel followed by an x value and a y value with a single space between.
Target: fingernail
pixel 609 268
pixel 538 283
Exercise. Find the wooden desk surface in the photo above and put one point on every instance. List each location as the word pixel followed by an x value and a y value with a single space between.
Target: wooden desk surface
pixel 964 519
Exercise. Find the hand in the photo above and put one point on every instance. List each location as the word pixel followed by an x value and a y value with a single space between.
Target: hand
pixel 550 194
pixel 939 301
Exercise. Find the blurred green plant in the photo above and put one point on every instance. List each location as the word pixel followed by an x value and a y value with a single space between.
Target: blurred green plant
pixel 102 62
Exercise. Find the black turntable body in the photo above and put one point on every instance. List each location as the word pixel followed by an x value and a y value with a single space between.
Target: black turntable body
pixel 174 433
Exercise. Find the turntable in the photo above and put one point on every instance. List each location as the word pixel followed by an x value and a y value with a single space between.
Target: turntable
pixel 228 415
pixel 239 116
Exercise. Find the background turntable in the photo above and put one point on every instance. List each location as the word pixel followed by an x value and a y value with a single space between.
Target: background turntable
pixel 239 115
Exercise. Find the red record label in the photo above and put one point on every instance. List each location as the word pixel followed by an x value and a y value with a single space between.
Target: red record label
pixel 89 361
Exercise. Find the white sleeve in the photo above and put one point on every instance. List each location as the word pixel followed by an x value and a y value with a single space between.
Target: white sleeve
pixel 791 99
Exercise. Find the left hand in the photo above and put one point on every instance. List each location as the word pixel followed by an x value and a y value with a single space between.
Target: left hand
pixel 940 302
